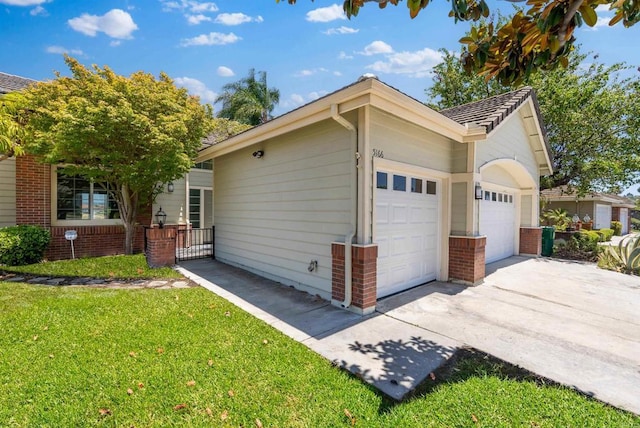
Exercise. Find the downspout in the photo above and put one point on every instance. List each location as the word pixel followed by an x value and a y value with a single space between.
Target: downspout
pixel 348 239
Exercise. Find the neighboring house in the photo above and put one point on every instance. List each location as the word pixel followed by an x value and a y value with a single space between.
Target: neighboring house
pixel 367 192
pixel 37 194
pixel 601 208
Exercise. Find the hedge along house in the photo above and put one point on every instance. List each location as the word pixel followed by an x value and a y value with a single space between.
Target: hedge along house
pixel 601 208
pixel 367 192
pixel 38 194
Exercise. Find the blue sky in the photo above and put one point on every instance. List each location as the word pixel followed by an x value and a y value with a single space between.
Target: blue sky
pixel 307 50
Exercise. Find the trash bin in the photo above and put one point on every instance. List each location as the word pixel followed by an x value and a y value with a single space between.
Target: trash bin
pixel 548 235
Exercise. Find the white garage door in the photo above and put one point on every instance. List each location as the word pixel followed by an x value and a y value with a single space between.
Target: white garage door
pixel 497 223
pixel 603 216
pixel 407 231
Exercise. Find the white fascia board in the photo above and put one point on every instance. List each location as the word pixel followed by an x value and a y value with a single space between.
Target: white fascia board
pixel 368 92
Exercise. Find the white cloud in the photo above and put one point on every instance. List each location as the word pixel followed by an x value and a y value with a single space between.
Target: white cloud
pixel 414 64
pixel 188 6
pixel 197 19
pixel 114 43
pixel 196 87
pixel 337 73
pixel 61 50
pixel 375 48
pixel 194 11
pixel 22 2
pixel 116 23
pixel 296 100
pixel 340 30
pixel 343 55
pixel 211 39
pixel 225 71
pixel 326 14
pixel 235 19
pixel 307 72
pixel 38 11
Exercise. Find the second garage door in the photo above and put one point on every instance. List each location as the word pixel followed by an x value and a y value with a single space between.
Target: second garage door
pixel 497 223
pixel 407 230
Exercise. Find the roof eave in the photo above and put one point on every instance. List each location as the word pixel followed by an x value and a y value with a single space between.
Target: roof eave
pixel 367 92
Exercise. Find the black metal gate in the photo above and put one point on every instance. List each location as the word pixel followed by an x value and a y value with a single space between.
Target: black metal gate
pixel 194 244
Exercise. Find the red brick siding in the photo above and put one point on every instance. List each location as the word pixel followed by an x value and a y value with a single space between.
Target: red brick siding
pixel 363 275
pixel 161 247
pixel 466 258
pixel 33 192
pixel 530 241
pixel 33 207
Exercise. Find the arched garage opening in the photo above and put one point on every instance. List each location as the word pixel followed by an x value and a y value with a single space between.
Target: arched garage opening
pixel 509 201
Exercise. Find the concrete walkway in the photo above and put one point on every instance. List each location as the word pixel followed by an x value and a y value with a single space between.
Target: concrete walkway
pixel 567 321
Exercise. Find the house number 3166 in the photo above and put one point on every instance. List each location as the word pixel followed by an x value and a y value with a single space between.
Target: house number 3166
pixel 377 153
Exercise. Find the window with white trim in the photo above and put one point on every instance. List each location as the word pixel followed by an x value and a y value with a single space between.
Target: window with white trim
pixel 81 199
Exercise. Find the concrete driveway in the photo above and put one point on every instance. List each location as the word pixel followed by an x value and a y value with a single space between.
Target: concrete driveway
pixel 567 321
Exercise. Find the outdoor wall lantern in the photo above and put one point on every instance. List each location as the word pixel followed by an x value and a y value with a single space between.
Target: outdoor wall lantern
pixel 478 192
pixel 586 218
pixel 170 187
pixel 258 154
pixel 161 218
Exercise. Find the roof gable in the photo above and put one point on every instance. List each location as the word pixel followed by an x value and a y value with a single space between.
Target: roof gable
pixel 11 83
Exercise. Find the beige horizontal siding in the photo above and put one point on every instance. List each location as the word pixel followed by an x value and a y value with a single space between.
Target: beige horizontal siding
pixel 7 192
pixel 509 141
pixel 403 141
pixel 275 214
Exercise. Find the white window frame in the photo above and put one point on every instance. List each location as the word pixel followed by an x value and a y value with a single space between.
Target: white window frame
pixel 202 189
pixel 54 209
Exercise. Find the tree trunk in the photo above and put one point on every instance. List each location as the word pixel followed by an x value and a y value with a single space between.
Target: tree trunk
pixel 128 207
pixel 129 235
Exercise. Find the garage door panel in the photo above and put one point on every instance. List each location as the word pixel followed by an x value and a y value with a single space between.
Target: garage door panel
pixel 407 225
pixel 382 213
pixel 497 223
pixel 399 214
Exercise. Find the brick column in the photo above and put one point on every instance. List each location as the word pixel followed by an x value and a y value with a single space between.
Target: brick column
pixel 161 247
pixel 530 241
pixel 466 259
pixel 364 271
pixel 33 192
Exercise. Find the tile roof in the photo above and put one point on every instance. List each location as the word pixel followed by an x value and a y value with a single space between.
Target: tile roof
pixel 566 192
pixel 490 111
pixel 10 83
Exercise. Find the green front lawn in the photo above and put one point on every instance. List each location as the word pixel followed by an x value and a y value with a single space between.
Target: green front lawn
pixel 120 267
pixel 76 356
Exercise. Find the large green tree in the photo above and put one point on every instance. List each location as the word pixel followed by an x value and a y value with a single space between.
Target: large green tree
pixel 11 129
pixel 540 37
pixel 129 134
pixel 591 113
pixel 249 100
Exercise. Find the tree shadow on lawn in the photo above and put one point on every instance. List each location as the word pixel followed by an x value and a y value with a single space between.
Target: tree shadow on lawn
pixel 463 364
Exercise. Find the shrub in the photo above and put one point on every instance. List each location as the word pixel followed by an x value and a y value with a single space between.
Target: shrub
pixel 625 257
pixel 617 228
pixel 583 245
pixel 605 234
pixel 23 245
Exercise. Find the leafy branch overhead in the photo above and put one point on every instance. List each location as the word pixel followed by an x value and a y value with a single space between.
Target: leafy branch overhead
pixel 540 37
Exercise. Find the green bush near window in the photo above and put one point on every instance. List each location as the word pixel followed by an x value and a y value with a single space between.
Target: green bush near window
pixel 605 234
pixel 617 228
pixel 23 245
